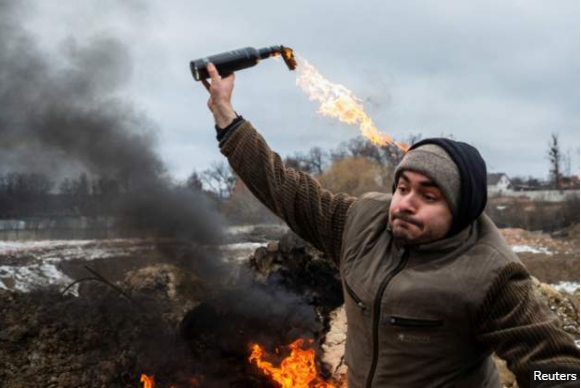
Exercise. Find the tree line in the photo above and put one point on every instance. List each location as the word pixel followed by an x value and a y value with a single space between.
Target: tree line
pixel 33 194
pixel 356 166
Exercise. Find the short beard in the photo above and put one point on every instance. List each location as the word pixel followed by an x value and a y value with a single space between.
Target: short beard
pixel 400 234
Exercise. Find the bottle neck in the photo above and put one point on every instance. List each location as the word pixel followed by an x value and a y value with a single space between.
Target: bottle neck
pixel 271 51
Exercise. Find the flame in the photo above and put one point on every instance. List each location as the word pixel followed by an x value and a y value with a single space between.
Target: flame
pixel 148 382
pixel 339 102
pixel 298 370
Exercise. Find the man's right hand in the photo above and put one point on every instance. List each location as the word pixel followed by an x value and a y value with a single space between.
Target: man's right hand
pixel 220 102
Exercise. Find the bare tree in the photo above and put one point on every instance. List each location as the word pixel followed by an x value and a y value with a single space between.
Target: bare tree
pixel 298 162
pixel 81 186
pixel 313 162
pixel 317 160
pixel 103 185
pixel 194 181
pixel 25 185
pixel 23 194
pixel 358 147
pixel 220 180
pixel 555 157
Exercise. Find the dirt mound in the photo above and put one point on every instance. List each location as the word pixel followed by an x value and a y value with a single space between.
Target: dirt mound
pixel 174 323
pixel 100 340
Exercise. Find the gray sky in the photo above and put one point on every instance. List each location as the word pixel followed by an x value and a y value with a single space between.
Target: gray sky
pixel 501 75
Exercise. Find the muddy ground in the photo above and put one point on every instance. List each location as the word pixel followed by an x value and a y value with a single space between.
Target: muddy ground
pixel 551 258
pixel 103 340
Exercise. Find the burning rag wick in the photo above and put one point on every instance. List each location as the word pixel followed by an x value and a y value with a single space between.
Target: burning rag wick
pixel 339 102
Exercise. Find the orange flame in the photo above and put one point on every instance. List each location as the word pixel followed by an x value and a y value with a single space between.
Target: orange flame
pixel 339 102
pixel 298 370
pixel 148 382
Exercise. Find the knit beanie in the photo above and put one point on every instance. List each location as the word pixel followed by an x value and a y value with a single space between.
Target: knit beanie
pixel 463 183
pixel 435 163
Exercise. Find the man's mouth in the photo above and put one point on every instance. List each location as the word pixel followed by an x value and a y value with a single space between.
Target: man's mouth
pixel 407 219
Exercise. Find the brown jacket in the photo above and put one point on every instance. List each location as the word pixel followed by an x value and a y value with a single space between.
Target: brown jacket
pixel 428 316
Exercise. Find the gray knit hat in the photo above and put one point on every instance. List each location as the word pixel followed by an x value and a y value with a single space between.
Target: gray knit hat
pixel 435 163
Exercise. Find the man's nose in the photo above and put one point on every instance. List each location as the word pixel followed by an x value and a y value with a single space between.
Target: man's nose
pixel 408 204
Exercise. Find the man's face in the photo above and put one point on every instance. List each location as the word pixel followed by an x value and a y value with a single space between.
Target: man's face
pixel 418 212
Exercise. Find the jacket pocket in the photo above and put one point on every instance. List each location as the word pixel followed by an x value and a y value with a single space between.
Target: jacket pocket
pixel 414 322
pixel 355 298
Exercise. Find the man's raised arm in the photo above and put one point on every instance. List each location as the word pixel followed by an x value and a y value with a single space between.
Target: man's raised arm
pixel 315 214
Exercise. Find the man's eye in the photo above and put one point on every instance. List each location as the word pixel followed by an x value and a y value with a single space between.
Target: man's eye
pixel 430 197
pixel 402 189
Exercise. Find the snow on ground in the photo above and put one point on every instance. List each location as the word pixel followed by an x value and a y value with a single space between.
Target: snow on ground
pixel 242 246
pixel 568 287
pixel 245 230
pixel 239 229
pixel 25 278
pixel 25 265
pixel 16 246
pixel 531 249
pixel 69 249
pixel 240 252
pixel 32 264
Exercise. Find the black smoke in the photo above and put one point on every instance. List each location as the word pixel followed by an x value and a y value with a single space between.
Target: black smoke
pixel 62 113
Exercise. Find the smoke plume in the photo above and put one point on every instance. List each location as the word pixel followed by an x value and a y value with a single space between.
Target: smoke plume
pixel 61 113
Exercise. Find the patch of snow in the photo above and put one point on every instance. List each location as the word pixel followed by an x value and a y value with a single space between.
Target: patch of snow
pixel 246 229
pixel 568 287
pixel 531 249
pixel 242 246
pixel 71 249
pixel 88 253
pixel 11 246
pixel 41 257
pixel 239 229
pixel 25 278
pixel 239 252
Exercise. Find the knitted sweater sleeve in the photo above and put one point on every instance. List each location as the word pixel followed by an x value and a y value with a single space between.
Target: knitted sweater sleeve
pixel 520 328
pixel 315 214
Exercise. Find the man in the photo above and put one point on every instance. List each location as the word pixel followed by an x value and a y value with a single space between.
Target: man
pixel 431 288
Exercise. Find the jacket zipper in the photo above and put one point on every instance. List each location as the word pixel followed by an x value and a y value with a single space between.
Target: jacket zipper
pixel 412 322
pixel 376 314
pixel 355 297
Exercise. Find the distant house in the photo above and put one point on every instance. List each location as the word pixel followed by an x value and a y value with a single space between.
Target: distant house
pixel 498 183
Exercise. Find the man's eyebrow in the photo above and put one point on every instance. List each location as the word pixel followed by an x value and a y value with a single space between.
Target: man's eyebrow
pixel 427 183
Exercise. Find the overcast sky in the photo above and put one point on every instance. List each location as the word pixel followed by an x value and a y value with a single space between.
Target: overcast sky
pixel 501 75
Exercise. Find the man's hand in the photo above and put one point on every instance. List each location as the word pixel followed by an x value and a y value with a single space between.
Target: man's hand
pixel 220 96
